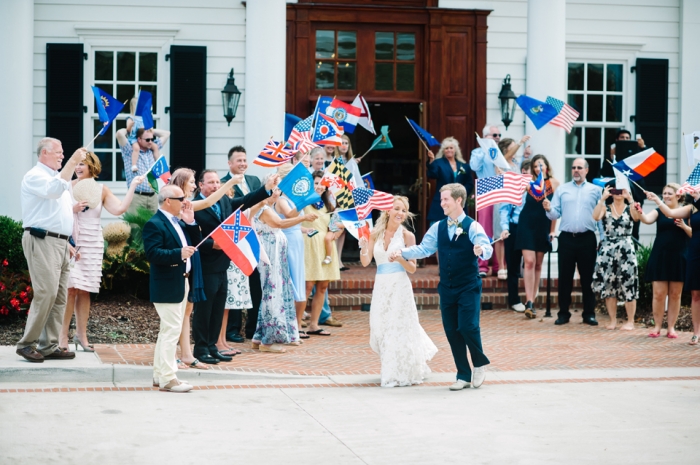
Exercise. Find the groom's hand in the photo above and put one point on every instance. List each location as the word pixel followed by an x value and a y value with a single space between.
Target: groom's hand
pixel 478 250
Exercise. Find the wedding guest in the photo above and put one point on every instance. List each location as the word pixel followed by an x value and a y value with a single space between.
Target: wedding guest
pixel 666 265
pixel 535 230
pixel 615 276
pixel 318 158
pixel 447 167
pixel 692 277
pixel 86 275
pixel 316 274
pixel 47 217
pixel 344 151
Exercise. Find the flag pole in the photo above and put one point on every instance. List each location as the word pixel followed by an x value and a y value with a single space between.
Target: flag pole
pixel 628 178
pixel 212 232
pixel 371 147
pixel 419 137
pixel 93 139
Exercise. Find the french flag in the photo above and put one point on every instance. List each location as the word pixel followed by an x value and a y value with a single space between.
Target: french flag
pixel 238 240
pixel 640 165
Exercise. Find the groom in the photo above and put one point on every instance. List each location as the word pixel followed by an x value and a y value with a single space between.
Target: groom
pixel 458 240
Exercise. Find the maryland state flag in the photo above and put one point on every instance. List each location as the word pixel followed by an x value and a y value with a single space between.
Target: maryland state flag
pixel 337 180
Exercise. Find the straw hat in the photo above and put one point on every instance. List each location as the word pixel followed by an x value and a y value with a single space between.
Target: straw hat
pixel 88 190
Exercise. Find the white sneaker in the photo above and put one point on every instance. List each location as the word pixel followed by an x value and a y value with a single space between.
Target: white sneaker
pixel 459 385
pixel 519 307
pixel 478 376
pixel 176 386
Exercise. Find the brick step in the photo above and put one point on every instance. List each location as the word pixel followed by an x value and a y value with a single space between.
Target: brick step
pixel 431 301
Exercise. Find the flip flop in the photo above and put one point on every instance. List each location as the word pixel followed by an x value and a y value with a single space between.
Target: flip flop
pixel 198 365
pixel 229 352
pixel 318 332
pixel 303 335
pixel 672 336
pixel 180 364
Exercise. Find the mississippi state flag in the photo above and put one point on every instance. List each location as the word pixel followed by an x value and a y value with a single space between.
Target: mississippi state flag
pixel 159 174
pixel 238 240
pixel 640 165
pixel 327 131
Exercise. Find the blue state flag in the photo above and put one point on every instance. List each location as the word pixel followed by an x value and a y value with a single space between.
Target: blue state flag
pixel 424 135
pixel 143 109
pixel 107 107
pixel 322 105
pixel 367 180
pixel 298 186
pixel 348 215
pixel 290 121
pixel 540 113
pixel 602 182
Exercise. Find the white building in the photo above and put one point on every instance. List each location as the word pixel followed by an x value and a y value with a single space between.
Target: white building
pixel 433 60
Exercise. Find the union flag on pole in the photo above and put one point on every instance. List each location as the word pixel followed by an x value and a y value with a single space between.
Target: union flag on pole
pixel 273 154
pixel 238 240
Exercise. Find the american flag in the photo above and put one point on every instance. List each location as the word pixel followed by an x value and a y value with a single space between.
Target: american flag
pixel 505 188
pixel 273 154
pixel 300 137
pixel 566 116
pixel 692 184
pixel 367 200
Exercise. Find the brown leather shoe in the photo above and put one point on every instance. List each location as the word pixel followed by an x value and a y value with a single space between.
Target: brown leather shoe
pixel 30 354
pixel 60 354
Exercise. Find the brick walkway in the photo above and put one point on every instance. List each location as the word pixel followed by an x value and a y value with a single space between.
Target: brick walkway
pixel 511 342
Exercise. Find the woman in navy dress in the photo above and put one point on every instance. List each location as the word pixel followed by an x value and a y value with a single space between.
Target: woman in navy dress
pixel 692 272
pixel 666 266
pixel 446 167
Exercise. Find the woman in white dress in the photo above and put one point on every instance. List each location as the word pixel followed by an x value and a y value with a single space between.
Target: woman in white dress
pixel 395 332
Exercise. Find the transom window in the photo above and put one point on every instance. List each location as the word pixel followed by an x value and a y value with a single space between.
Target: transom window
pixel 596 91
pixel 395 61
pixel 121 73
pixel 336 59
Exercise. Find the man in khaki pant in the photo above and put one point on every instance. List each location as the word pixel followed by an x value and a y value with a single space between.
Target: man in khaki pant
pixel 47 216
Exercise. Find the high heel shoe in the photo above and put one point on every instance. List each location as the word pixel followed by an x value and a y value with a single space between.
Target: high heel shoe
pixel 530 310
pixel 85 347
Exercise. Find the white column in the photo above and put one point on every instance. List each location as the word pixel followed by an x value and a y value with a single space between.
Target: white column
pixel 689 98
pixel 16 81
pixel 265 75
pixel 546 73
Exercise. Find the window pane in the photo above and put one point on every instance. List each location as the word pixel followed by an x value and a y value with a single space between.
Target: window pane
pixel 109 88
pixel 575 76
pixel 120 124
pixel 593 168
pixel 613 108
pixel 573 142
pixel 567 168
pixel 325 78
pixel 405 76
pixel 595 108
pixel 126 66
pixel 347 44
pixel 592 141
pixel 325 44
pixel 106 161
pixel 105 140
pixel 595 76
pixel 614 83
pixel 384 46
pixel 104 66
pixel 148 67
pixel 576 101
pixel 154 92
pixel 126 92
pixel 346 75
pixel 405 47
pixel 384 76
pixel 609 140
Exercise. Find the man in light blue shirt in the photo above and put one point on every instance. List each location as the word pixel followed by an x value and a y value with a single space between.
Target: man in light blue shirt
pixel 458 240
pixel 574 202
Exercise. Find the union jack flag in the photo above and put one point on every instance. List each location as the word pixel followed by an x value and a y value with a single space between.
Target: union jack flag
pixel 274 154
pixel 300 137
pixel 367 200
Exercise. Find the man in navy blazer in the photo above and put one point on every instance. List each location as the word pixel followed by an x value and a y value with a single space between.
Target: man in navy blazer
pixel 168 239
pixel 207 316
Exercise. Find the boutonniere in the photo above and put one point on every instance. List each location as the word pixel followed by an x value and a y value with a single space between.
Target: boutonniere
pixel 461 170
pixel 459 231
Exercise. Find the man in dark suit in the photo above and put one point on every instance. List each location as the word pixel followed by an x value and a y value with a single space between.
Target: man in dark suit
pixel 238 164
pixel 168 239
pixel 208 315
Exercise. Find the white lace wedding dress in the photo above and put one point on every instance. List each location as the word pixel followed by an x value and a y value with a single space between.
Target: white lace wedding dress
pixel 395 332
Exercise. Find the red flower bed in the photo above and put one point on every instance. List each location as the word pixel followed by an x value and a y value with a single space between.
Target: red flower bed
pixel 15 292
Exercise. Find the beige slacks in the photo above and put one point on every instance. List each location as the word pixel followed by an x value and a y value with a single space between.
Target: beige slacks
pixel 143 201
pixel 48 261
pixel 171 316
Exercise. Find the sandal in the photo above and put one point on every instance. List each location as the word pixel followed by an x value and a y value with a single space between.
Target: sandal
pixel 198 365
pixel 655 334
pixel 273 348
pixel 255 345
pixel 229 352
pixel 693 341
pixel 672 336
pixel 323 332
pixel 180 364
pixel 303 335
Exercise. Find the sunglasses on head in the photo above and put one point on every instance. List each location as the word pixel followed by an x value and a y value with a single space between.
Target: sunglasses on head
pixel 179 199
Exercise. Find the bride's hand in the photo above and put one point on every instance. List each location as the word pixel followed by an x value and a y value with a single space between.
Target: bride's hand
pixel 362 243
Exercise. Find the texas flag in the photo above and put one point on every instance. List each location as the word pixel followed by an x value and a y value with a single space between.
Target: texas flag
pixel 640 165
pixel 159 174
pixel 238 240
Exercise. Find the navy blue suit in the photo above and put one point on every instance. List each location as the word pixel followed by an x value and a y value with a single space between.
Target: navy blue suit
pixel 441 171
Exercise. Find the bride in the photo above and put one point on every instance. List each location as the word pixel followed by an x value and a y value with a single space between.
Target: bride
pixel 395 332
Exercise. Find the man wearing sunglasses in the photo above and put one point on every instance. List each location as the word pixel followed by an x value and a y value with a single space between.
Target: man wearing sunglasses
pixel 150 142
pixel 574 202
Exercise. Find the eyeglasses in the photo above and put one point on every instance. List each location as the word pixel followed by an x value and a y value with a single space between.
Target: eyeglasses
pixel 179 199
pixel 495 135
pixel 149 140
pixel 578 168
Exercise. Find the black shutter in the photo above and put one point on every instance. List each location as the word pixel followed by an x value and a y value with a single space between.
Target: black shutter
pixel 188 105
pixel 651 118
pixel 64 95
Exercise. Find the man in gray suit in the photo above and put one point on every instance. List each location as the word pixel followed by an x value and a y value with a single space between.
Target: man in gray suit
pixel 238 164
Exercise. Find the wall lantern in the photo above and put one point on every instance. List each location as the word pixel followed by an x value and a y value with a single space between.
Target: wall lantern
pixel 230 96
pixel 507 98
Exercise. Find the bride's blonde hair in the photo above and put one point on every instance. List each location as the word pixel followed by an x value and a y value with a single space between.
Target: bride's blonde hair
pixel 383 220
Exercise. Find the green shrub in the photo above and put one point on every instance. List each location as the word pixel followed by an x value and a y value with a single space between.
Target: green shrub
pixel 137 221
pixel 11 245
pixel 645 291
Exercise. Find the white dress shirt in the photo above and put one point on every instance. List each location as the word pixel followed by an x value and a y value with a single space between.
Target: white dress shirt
pixel 175 222
pixel 46 201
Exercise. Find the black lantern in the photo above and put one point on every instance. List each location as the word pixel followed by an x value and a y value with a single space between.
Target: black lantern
pixel 230 97
pixel 507 98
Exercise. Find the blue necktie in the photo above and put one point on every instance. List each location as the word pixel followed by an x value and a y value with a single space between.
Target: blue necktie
pixel 217 210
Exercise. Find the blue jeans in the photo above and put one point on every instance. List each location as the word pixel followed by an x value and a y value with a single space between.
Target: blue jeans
pixel 326 310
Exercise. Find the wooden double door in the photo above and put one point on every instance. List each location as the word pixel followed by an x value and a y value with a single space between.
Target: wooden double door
pixel 407 59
